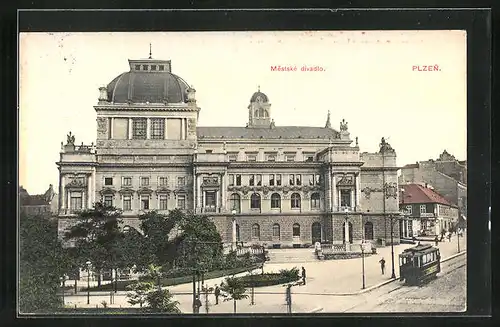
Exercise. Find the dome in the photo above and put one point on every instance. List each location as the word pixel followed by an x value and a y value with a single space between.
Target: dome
pixel 258 94
pixel 147 86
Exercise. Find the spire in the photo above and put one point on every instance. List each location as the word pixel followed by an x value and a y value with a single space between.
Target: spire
pixel 258 88
pixel 328 124
pixel 150 54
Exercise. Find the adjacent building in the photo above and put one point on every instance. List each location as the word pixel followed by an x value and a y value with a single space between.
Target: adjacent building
pixel 279 186
pixel 39 204
pixel 428 213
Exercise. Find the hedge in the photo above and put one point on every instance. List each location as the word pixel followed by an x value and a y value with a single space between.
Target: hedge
pixel 266 280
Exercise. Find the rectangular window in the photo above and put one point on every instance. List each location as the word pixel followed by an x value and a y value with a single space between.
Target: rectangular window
pixel 144 181
pixel 298 179
pixel 144 67
pixel 310 179
pixel 158 128
pixel 137 67
pixel 259 180
pixel 127 181
pixel 233 157
pixel 127 203
pixel 271 157
pixel 181 181
pixel 108 200
pixel 120 128
pixel 161 67
pixel 210 199
pixel 145 202
pixel 163 181
pixel 76 201
pixel 251 157
pixel 238 180
pixel 290 157
pixel 181 202
pixel 163 202
pixel 209 151
pixel 318 179
pixel 271 180
pixel 409 209
pixel 291 180
pixel 251 180
pixel 309 158
pixel 423 208
pixel 108 181
pixel 231 180
pixel 278 179
pixel 174 129
pixel 153 67
pixel 139 127
pixel 345 198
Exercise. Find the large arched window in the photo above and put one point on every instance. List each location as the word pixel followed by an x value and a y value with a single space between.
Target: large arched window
pixel 234 202
pixel 295 201
pixel 256 231
pixel 276 231
pixel 315 201
pixel 369 231
pixel 275 201
pixel 237 233
pixel 255 201
pixel 296 230
pixel 256 113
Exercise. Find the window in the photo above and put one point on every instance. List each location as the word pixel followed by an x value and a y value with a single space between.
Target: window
pixel 209 151
pixel 231 180
pixel 233 157
pixel 423 208
pixel 238 180
pixel 298 179
pixel 278 179
pixel 276 231
pixel 315 204
pixel 291 180
pixel 251 157
pixel 369 231
pixel 163 181
pixel 234 202
pixel 144 202
pixel 144 67
pixel 271 157
pixel 158 128
pixel 137 67
pixel 345 198
pixel 127 181
pixel 275 201
pixel 318 179
pixel 181 202
pixel 296 230
pixel 76 201
pixel 127 203
pixel 271 180
pixel 251 180
pixel 161 67
pixel 295 201
pixel 237 232
pixel 210 199
pixel 144 181
pixel 255 201
pixel 255 231
pixel 108 200
pixel 153 67
pixel 181 181
pixel 108 181
pixel 259 180
pixel 310 179
pixel 139 128
pixel 309 158
pixel 163 202
pixel 409 209
pixel 290 157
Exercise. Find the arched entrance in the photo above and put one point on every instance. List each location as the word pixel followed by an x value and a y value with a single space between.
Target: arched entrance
pixel 316 232
pixel 350 232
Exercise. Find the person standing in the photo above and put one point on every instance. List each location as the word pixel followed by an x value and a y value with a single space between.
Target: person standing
pixel 303 275
pixel 436 240
pixel 382 265
pixel 217 293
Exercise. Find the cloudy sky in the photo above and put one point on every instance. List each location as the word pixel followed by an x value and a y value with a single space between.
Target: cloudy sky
pixel 368 80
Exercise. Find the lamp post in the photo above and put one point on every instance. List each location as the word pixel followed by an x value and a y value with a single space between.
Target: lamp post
pixel 458 238
pixel 233 234
pixel 363 262
pixel 88 263
pixel 403 210
pixel 393 275
pixel 346 229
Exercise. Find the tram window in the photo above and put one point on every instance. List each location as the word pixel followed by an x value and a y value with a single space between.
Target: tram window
pixel 424 259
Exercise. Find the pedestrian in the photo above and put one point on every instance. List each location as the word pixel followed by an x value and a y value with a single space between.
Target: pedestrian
pixel 436 240
pixel 303 275
pixel 382 265
pixel 449 237
pixel 217 293
pixel 197 304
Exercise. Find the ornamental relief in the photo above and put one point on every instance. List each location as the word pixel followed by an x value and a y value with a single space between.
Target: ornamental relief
pixel 346 180
pixel 391 190
pixel 102 125
pixel 191 126
pixel 368 191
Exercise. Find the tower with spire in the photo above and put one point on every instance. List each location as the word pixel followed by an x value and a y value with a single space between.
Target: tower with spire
pixel 259 110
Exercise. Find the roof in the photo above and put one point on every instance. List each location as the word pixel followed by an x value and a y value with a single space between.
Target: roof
pixel 415 193
pixel 34 200
pixel 277 132
pixel 415 165
pixel 257 94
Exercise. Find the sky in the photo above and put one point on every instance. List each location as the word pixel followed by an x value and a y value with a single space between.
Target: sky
pixel 369 79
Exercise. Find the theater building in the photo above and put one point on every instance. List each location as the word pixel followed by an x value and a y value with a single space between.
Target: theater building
pixel 281 186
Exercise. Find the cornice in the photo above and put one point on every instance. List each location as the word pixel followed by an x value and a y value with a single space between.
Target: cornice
pixel 147 107
pixel 149 165
pixel 380 168
pixel 275 164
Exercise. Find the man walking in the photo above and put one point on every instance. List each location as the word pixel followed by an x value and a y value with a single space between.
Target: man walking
pixel 382 265
pixel 197 305
pixel 303 275
pixel 217 293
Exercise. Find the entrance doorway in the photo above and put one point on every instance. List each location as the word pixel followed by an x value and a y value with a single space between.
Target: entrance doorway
pixel 350 232
pixel 316 232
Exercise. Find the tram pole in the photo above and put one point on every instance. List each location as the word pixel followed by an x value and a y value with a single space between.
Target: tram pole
pixel 393 275
pixel 458 238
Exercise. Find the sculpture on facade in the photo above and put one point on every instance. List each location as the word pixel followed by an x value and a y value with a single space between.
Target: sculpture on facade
pixel 343 126
pixel 385 147
pixel 70 139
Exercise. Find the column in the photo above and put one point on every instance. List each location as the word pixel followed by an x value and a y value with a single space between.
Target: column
pixel 89 192
pixel 233 234
pixel 110 127
pixel 217 194
pixel 352 200
pixel 335 193
pixel 346 229
pixel 183 132
pixel 198 192
pixel 165 130
pixel 93 185
pixel 148 128
pixel 358 191
pixel 62 205
pixel 223 192
pixel 130 128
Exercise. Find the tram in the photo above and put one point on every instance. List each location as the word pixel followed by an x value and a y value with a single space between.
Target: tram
pixel 419 264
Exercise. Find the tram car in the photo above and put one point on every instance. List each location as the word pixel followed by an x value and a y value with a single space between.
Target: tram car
pixel 419 264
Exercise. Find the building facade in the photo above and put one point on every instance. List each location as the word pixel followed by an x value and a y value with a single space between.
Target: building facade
pixel 39 204
pixel 281 186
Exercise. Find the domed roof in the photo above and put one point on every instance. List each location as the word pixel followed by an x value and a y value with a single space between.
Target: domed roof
pixel 147 86
pixel 258 94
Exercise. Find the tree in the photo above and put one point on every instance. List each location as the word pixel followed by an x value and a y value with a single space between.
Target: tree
pixel 234 290
pixel 157 248
pixel 160 300
pixel 138 292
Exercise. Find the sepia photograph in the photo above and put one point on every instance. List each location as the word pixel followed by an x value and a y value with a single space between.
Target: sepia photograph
pixel 257 172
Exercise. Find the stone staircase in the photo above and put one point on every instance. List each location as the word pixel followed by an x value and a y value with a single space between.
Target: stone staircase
pixel 291 255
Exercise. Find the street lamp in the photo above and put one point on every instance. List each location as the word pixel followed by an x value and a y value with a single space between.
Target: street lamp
pixel 233 236
pixel 88 263
pixel 402 233
pixel 458 238
pixel 393 275
pixel 363 261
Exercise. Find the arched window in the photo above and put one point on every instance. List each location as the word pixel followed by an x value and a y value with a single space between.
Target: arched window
pixel 255 201
pixel 369 231
pixel 237 233
pixel 315 201
pixel 256 231
pixel 275 201
pixel 234 202
pixel 295 201
pixel 257 113
pixel 296 230
pixel 264 113
pixel 276 231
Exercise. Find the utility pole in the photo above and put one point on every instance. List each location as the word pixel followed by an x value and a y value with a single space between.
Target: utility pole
pixel 393 275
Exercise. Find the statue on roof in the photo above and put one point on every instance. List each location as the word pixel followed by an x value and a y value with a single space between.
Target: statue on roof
pixel 49 194
pixel 328 124
pixel 343 126
pixel 385 147
pixel 70 139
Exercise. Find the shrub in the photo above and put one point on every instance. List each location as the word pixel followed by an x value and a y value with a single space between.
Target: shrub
pixel 292 274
